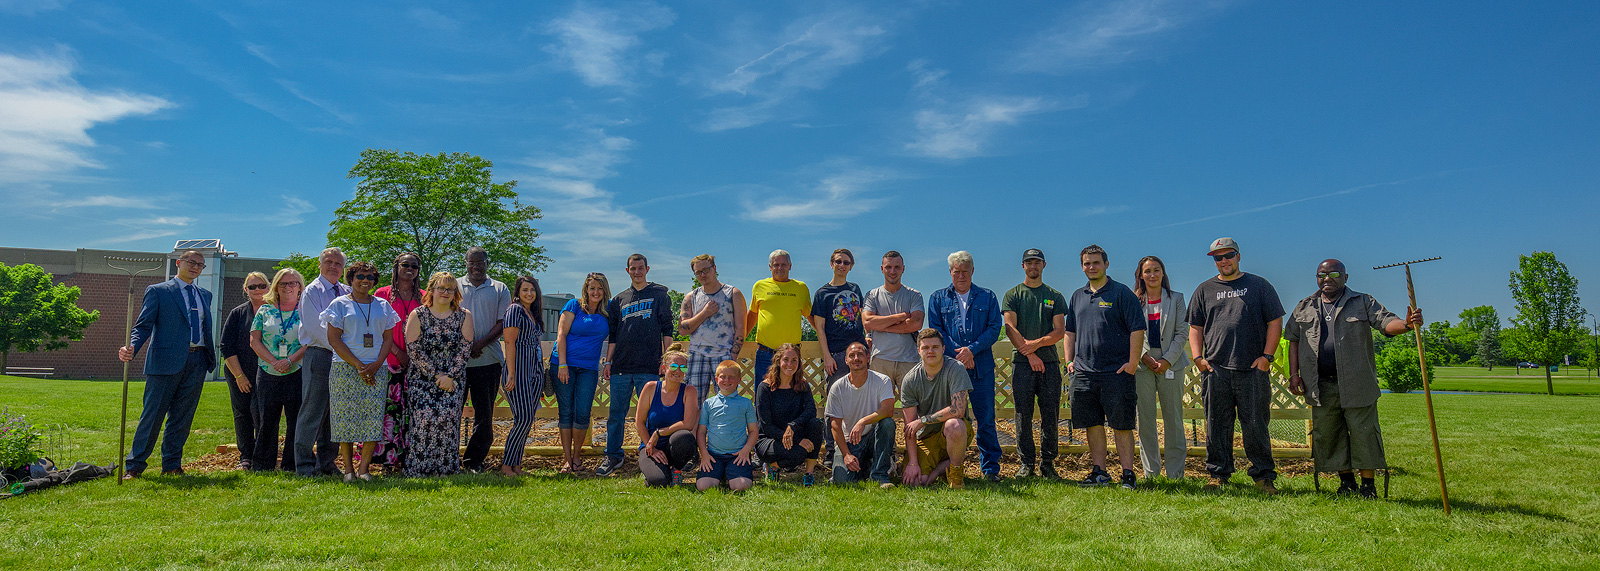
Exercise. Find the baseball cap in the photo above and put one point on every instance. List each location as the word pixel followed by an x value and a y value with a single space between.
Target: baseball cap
pixel 1033 254
pixel 1223 243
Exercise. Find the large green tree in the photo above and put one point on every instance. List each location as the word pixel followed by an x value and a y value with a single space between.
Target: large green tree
pixel 37 314
pixel 1476 323
pixel 437 206
pixel 1549 320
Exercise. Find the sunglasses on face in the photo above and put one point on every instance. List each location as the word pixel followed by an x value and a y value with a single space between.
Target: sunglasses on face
pixel 254 287
pixel 411 266
pixel 676 368
pixel 1221 257
pixel 844 262
pixel 368 277
pixel 1334 275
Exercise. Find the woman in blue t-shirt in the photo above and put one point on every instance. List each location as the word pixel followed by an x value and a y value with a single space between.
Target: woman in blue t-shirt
pixel 579 340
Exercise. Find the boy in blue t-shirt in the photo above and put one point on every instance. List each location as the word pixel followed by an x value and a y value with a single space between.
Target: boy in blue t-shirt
pixel 727 433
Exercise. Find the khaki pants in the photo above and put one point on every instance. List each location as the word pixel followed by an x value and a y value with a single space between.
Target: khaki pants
pixel 895 370
pixel 1156 389
pixel 931 450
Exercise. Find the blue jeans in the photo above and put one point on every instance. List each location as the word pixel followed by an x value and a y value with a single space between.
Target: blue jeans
pixel 623 389
pixel 875 454
pixel 983 415
pixel 172 399
pixel 763 362
pixel 575 398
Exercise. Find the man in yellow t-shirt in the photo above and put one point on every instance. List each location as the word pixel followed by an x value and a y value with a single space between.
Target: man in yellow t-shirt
pixel 777 307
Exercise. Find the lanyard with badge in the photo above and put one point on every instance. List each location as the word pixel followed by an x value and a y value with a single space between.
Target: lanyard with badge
pixel 286 325
pixel 366 316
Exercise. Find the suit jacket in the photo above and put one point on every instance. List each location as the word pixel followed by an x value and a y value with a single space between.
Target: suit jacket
pixel 979 331
pixel 1174 334
pixel 164 323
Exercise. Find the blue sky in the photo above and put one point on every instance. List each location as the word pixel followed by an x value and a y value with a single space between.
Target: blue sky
pixel 1368 131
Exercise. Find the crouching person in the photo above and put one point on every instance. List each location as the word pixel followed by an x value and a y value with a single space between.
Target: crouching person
pixel 666 418
pixel 860 413
pixel 727 434
pixel 936 442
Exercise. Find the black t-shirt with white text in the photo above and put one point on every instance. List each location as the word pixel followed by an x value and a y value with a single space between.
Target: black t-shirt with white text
pixel 1234 315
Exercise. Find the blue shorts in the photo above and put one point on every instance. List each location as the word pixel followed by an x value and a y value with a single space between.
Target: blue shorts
pixel 723 469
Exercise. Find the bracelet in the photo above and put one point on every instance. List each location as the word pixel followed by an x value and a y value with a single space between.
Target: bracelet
pixel 561 366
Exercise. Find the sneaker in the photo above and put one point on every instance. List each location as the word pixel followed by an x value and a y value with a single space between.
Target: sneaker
pixel 1369 490
pixel 1096 478
pixel 1129 480
pixel 608 467
pixel 772 473
pixel 1266 487
pixel 994 477
pixel 677 478
pixel 1048 471
pixel 1348 489
pixel 1216 484
pixel 886 486
pixel 808 480
pixel 1026 471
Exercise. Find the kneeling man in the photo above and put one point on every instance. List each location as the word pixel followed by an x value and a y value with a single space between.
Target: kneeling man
pixel 936 442
pixel 860 415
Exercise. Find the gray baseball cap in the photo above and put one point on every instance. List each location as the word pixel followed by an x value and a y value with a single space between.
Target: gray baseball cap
pixel 1033 254
pixel 1223 243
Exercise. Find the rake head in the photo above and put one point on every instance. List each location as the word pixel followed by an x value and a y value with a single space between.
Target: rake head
pixel 1407 263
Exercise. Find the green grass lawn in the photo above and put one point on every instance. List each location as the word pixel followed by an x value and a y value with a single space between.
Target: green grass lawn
pixel 1523 472
pixel 1573 381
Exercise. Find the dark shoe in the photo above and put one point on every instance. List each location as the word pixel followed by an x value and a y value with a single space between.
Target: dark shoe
pixel 1216 484
pixel 992 477
pixel 1266 487
pixel 177 472
pixel 808 480
pixel 1026 471
pixel 1369 490
pixel 772 473
pixel 131 475
pixel 1048 470
pixel 1348 489
pixel 1129 480
pixel 608 467
pixel 1096 478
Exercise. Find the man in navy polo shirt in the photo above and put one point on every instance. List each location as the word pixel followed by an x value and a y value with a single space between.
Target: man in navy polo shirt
pixel 1105 338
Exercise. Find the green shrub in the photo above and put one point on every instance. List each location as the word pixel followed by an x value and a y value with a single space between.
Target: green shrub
pixel 17 440
pixel 1397 365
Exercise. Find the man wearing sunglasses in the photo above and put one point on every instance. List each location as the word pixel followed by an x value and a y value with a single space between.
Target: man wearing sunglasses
pixel 1235 320
pixel 1328 341
pixel 175 319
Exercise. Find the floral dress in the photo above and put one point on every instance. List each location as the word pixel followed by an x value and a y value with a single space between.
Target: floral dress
pixel 392 447
pixel 433 441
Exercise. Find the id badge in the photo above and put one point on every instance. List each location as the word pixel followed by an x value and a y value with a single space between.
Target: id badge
pixel 280 349
pixel 366 340
pixel 1171 375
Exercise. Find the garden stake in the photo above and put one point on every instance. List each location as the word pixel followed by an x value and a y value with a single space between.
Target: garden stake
pixel 122 437
pixel 1427 393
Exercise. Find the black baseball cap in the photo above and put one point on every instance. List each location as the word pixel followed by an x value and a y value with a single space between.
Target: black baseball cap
pixel 1033 254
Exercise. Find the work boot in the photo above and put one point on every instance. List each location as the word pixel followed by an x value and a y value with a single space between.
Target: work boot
pixel 1048 471
pixel 953 475
pixel 1266 487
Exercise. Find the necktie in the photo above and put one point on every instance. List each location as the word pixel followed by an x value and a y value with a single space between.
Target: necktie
pixel 191 298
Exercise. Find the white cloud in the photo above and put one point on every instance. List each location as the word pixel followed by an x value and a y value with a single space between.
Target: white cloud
pixel 433 20
pixel 293 211
pixel 844 194
pixel 260 52
pixel 157 221
pixel 964 130
pixel 31 7
pixel 106 200
pixel 925 75
pixel 45 117
pixel 1106 34
pixel 1101 210
pixel 812 51
pixel 598 44
pixel 583 227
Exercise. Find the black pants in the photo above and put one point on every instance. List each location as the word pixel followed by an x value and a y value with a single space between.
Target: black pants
pixel 483 383
pixel 275 398
pixel 681 449
pixel 245 417
pixel 1249 393
pixel 771 450
pixel 1028 387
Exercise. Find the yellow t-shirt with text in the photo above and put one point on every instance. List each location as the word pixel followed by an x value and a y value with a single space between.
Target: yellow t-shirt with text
pixel 781 307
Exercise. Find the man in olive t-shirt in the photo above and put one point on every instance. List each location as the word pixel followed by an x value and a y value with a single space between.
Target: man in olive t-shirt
pixel 933 399
pixel 1035 319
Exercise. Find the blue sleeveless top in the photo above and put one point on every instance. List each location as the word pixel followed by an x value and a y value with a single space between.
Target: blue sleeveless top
pixel 662 416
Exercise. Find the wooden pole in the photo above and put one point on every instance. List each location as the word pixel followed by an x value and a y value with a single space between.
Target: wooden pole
pixel 127 332
pixel 1427 397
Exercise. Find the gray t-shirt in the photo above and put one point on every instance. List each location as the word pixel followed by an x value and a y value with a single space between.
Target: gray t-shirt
pixel 933 395
pixel 851 404
pixel 900 347
pixel 487 302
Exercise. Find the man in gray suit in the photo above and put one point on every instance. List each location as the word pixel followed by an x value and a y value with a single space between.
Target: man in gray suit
pixel 175 319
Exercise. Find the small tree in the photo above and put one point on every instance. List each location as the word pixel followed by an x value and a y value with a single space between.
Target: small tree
pixel 1549 320
pixel 1399 368
pixel 436 206
pixel 37 314
pixel 1489 347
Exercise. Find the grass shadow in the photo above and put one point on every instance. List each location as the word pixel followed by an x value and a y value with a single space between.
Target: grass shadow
pixel 1457 505
pixel 223 480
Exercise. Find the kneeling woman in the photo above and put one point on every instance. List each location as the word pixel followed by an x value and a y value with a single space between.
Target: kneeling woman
pixel 667 414
pixel 360 330
pixel 791 433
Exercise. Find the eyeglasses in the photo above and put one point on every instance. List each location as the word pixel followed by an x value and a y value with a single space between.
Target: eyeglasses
pixel 253 287
pixel 411 266
pixel 197 265
pixel 1334 275
pixel 843 262
pixel 705 270
pixel 445 289
pixel 1221 257
pixel 369 277
pixel 288 284
pixel 676 368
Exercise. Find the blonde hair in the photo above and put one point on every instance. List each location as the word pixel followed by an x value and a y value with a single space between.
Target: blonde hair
pixel 674 350
pixel 245 286
pixel 448 279
pixel 277 279
pixel 583 293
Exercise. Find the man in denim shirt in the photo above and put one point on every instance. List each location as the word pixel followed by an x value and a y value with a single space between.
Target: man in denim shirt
pixel 968 318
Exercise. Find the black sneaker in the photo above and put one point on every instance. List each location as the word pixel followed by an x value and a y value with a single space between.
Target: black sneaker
pixel 1348 488
pixel 1369 491
pixel 1025 471
pixel 1048 470
pixel 1129 480
pixel 607 467
pixel 1096 478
